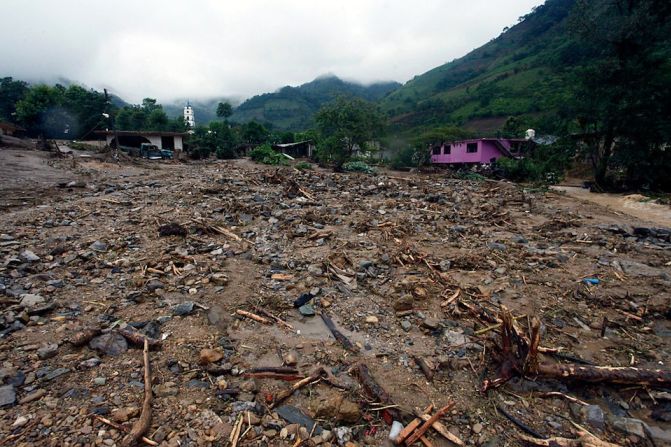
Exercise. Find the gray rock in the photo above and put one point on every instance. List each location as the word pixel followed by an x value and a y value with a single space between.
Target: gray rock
pixel 48 351
pixel 99 381
pixel 154 284
pixel 307 310
pixel 593 415
pixel 365 263
pixel 293 415
pixel 109 344
pixel 659 435
pixel 90 363
pixel 629 425
pixel 28 256
pixel 406 325
pixel 343 435
pixel 638 269
pixel 445 265
pixel 56 373
pixel 431 323
pixel 7 395
pixel 495 246
pixel 31 300
pixel 183 309
pixel 98 246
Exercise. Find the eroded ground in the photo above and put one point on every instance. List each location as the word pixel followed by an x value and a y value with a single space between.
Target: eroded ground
pixel 380 253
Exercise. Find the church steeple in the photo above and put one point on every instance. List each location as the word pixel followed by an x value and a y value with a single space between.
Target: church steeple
pixel 189 117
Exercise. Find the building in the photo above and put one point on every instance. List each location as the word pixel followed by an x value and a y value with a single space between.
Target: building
pixel 173 141
pixel 298 149
pixel 189 117
pixel 478 151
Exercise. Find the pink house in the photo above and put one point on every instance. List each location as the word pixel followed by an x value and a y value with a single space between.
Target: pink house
pixel 482 150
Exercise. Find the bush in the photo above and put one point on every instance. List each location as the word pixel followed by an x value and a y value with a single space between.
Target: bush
pixel 226 153
pixel 303 165
pixel 546 165
pixel 410 158
pixel 267 155
pixel 358 166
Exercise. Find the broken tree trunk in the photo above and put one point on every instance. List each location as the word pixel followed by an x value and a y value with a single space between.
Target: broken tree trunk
pixel 519 357
pixel 142 424
pixel 338 335
pixel 377 392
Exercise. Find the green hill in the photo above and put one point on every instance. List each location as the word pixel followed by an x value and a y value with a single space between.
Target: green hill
pixel 293 108
pixel 519 73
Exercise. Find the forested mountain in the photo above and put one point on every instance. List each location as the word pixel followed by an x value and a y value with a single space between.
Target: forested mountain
pixel 521 72
pixel 293 108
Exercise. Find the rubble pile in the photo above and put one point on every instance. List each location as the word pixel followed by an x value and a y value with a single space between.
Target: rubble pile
pixel 286 307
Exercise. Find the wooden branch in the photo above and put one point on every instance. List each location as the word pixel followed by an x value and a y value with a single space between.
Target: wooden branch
pixel 122 429
pixel 142 424
pixel 136 338
pixel 610 374
pixel 283 395
pixel 585 440
pixel 277 319
pixel 252 316
pixel 84 336
pixel 440 428
pixel 421 430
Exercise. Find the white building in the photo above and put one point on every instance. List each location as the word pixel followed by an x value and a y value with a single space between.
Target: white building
pixel 173 141
pixel 189 117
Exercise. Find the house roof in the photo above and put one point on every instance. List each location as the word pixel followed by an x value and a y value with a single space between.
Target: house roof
pixel 141 133
pixel 297 143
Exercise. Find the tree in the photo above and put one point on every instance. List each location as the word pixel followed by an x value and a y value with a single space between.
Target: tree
pixel 345 124
pixel 254 133
pixel 622 96
pixel 224 110
pixel 33 110
pixel 11 92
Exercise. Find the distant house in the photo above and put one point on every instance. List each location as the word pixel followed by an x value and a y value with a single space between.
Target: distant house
pixel 10 129
pixel 298 149
pixel 173 141
pixel 478 151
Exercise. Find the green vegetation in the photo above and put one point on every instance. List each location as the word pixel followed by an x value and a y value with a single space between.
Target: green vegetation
pixel 267 155
pixel 545 165
pixel 294 108
pixel 303 166
pixel 357 166
pixel 345 125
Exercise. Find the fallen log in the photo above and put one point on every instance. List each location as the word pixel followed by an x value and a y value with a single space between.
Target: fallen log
pixel 427 370
pixel 377 392
pixel 137 339
pixel 84 336
pixel 338 335
pixel 611 374
pixel 142 424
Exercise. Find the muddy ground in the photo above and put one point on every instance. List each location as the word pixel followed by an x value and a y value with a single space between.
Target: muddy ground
pixel 81 248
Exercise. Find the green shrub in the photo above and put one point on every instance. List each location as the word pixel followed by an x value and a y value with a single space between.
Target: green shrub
pixel 267 155
pixel 358 166
pixel 545 165
pixel 226 153
pixel 303 165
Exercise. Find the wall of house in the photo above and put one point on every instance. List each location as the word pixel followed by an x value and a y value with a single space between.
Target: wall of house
pixel 487 151
pixel 153 139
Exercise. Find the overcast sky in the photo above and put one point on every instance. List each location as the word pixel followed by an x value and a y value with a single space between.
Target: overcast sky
pixel 201 48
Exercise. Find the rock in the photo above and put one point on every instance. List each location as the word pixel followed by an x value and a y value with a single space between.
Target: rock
pixel 431 323
pixel 124 414
pixel 90 363
pixel 629 425
pixel 166 389
pixel 659 435
pixel 307 310
pixel 35 395
pixel 183 309
pixel 154 284
pixel 343 435
pixel 405 302
pixel 638 269
pixel 31 300
pixel 99 381
pixel 98 246
pixel 477 428
pixel 372 319
pixel 593 415
pixel 445 265
pixel 406 325
pixel 110 344
pixel 28 256
pixel 56 373
pixel 48 351
pixel 290 358
pixel 20 422
pixel 293 415
pixel 496 246
pixel 208 356
pixel 7 395
pixel 348 412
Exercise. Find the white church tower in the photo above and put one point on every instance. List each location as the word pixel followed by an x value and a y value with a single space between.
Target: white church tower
pixel 189 118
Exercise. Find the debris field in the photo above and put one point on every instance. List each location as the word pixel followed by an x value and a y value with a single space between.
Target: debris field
pixel 272 306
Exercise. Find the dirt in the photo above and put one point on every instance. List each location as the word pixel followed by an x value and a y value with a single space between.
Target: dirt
pixel 366 244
